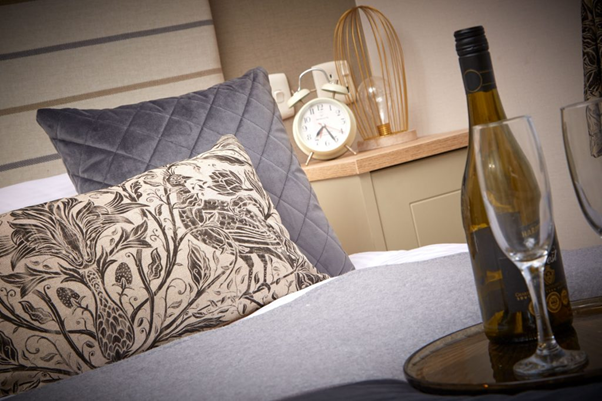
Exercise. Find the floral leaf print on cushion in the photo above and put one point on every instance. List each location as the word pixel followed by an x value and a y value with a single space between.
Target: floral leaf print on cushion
pixel 93 279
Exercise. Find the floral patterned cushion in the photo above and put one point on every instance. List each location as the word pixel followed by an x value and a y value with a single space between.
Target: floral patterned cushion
pixel 93 279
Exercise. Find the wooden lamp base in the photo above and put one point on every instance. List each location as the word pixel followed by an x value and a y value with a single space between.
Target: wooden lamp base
pixel 384 141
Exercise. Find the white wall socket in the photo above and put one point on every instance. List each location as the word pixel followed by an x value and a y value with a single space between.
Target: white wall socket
pixel 331 70
pixel 281 93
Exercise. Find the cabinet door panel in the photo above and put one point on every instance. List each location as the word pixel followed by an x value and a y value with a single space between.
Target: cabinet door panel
pixel 397 188
pixel 438 220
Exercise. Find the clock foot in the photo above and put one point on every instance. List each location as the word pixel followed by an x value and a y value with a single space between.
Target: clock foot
pixel 309 158
pixel 351 150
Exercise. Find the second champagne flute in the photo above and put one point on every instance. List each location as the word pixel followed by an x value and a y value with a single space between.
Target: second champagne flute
pixel 516 194
pixel 582 133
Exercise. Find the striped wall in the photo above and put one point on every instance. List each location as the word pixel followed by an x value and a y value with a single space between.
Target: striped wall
pixel 93 54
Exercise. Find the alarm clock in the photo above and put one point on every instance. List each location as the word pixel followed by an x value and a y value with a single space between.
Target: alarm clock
pixel 324 128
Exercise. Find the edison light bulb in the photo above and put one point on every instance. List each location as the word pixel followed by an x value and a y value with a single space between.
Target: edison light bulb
pixel 374 100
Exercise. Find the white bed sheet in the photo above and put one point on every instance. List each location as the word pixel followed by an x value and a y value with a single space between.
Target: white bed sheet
pixel 34 192
pixel 371 259
pixel 46 189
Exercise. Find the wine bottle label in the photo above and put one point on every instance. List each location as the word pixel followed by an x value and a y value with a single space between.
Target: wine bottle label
pixel 557 295
pixel 516 294
pixel 492 258
pixel 477 73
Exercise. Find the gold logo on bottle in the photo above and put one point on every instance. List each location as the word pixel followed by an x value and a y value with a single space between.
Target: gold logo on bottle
pixel 564 295
pixel 553 301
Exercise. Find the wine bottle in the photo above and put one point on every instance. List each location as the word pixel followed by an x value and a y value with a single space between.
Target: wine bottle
pixel 504 299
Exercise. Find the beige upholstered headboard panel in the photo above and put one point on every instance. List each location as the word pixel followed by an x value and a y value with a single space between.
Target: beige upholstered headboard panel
pixel 93 54
pixel 282 36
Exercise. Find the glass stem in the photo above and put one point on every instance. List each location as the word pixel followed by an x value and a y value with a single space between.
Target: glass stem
pixel 534 277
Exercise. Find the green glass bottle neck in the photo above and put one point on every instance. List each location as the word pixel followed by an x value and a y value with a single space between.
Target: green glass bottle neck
pixel 484 104
pixel 484 107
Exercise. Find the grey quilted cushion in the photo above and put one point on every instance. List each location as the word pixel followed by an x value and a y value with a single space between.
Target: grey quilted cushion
pixel 101 148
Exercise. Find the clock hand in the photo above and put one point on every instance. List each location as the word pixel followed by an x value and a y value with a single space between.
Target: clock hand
pixel 334 128
pixel 319 131
pixel 329 133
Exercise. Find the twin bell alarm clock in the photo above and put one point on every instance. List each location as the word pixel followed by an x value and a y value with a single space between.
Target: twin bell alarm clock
pixel 324 128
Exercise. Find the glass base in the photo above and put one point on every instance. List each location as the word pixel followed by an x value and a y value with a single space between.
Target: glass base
pixel 550 363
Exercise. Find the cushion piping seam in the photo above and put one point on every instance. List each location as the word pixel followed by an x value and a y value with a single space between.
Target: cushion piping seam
pixel 261 158
pixel 121 140
pixel 161 136
pixel 202 126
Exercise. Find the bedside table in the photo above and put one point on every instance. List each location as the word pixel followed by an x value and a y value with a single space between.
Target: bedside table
pixel 399 197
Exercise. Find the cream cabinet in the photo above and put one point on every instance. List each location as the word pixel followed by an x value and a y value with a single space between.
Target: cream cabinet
pixel 399 197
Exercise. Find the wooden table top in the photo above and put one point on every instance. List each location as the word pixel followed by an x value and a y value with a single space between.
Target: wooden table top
pixel 371 160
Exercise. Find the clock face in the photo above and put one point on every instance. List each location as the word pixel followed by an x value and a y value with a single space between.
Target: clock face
pixel 324 126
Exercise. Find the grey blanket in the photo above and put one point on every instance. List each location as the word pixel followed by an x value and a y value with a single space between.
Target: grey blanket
pixel 360 326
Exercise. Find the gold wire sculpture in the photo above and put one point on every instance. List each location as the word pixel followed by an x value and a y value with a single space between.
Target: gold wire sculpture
pixel 380 103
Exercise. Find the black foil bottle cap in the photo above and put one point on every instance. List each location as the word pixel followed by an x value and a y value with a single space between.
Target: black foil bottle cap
pixel 471 41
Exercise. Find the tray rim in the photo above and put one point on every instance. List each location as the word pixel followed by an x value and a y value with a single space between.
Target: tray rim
pixel 582 307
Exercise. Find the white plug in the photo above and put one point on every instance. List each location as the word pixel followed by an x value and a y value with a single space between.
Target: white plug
pixel 281 93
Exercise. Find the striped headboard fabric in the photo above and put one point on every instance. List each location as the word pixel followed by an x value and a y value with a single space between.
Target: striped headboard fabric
pixel 93 54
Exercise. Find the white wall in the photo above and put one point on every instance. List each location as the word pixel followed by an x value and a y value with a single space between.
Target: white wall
pixel 536 51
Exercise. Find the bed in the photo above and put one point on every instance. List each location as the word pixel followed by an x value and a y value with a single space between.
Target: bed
pixel 344 338
pixel 185 256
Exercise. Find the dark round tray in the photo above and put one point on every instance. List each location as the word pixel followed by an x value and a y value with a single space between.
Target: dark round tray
pixel 465 362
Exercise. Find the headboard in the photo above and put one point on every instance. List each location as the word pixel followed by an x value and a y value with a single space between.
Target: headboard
pixel 93 54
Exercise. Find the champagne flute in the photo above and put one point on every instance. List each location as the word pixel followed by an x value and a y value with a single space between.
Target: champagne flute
pixel 516 194
pixel 582 133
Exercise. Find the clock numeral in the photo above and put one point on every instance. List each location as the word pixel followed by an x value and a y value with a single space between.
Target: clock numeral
pixel 338 113
pixel 320 107
pixel 312 111
pixel 306 120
